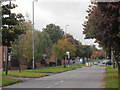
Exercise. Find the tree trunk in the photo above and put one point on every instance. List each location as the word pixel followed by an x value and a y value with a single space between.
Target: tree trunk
pixel 112 59
pixel 83 60
pixel 19 65
pixel 56 62
pixel 119 74
pixel 7 65
pixel 64 63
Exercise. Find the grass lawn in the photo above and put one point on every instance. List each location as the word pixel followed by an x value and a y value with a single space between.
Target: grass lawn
pixel 9 81
pixel 24 74
pixel 111 77
pixel 55 69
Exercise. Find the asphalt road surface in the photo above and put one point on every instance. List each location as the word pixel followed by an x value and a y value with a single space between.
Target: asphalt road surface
pixel 85 77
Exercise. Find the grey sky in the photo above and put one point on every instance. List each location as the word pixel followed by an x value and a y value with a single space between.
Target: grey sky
pixel 59 12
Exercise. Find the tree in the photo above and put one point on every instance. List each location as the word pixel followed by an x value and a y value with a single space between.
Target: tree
pixel 103 25
pixel 55 32
pixel 62 47
pixel 71 39
pixel 10 27
pixel 84 51
pixel 43 44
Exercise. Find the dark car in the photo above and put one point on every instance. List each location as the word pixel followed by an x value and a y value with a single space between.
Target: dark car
pixel 109 63
pixel 99 61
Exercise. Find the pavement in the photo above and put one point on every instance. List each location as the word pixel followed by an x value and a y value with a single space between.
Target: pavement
pixel 85 77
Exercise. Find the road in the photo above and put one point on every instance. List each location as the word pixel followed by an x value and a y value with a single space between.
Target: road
pixel 85 77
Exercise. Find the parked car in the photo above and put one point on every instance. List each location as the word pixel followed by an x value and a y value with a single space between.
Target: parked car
pixel 95 63
pixel 104 62
pixel 108 63
pixel 99 61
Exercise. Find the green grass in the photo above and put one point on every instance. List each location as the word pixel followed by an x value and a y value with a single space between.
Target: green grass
pixel 24 74
pixel 55 69
pixel 9 81
pixel 111 77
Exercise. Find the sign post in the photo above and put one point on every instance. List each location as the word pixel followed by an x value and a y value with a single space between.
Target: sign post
pixel 68 54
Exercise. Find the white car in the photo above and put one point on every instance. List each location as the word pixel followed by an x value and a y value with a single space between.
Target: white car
pixel 104 62
pixel 95 63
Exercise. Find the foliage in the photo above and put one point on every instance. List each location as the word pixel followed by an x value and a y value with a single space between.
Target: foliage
pixel 55 32
pixel 62 47
pixel 43 45
pixel 23 46
pixel 103 25
pixel 71 39
pixel 10 24
pixel 98 54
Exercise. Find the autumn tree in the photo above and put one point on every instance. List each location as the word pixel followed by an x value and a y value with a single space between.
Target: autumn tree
pixel 62 47
pixel 103 25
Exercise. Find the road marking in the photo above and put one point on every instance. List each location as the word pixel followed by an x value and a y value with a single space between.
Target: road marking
pixel 48 87
pixel 56 83
pixel 62 81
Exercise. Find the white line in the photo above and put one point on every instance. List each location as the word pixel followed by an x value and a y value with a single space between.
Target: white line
pixel 62 81
pixel 48 87
pixel 56 83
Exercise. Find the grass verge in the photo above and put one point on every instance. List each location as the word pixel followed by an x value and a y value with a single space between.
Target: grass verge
pixel 9 81
pixel 111 77
pixel 24 74
pixel 55 69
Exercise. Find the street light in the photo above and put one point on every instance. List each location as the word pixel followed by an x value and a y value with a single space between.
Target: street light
pixel 66 30
pixel 33 33
pixel 65 38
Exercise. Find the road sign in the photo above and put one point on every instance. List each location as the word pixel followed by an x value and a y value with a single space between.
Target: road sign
pixel 44 55
pixel 68 53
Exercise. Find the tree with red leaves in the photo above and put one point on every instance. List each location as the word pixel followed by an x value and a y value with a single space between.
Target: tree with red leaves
pixel 103 24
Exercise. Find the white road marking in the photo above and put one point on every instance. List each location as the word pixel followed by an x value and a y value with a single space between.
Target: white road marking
pixel 56 83
pixel 62 81
pixel 48 87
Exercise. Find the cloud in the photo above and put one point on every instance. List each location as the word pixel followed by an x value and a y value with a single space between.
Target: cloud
pixel 60 13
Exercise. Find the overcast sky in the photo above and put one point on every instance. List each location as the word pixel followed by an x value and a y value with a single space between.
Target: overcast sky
pixel 59 12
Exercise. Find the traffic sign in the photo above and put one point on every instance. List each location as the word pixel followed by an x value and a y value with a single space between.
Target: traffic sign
pixel 44 55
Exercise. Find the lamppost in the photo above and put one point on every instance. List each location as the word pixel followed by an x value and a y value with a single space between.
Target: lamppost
pixel 66 30
pixel 65 38
pixel 33 33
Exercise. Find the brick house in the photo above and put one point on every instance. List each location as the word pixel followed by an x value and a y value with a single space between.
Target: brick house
pixel 23 62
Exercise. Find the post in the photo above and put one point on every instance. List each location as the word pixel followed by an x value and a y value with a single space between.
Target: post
pixel 7 65
pixel 65 62
pixel 33 35
pixel 119 74
pixel 65 38
pixel 56 61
